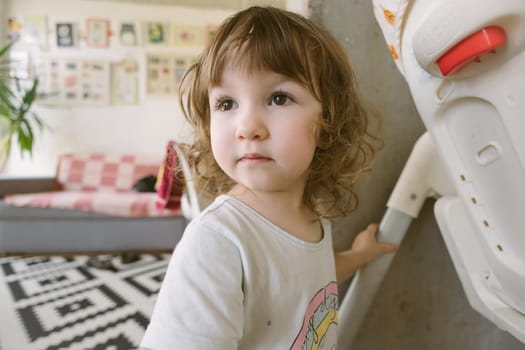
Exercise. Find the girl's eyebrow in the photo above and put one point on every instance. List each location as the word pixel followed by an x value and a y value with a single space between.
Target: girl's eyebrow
pixel 286 79
pixel 217 87
pixel 295 81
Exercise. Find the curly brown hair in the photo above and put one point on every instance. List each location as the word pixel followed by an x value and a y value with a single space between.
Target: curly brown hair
pixel 286 43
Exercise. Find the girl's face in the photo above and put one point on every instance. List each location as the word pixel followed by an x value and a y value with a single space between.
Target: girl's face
pixel 263 130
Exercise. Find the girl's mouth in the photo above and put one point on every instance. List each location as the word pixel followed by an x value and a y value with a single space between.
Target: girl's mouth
pixel 254 157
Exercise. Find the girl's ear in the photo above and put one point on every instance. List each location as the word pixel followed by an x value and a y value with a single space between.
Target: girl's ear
pixel 317 153
pixel 317 129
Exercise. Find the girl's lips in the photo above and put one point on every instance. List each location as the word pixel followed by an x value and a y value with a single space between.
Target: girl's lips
pixel 253 157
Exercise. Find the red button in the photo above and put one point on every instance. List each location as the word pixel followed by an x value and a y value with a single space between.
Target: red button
pixel 471 48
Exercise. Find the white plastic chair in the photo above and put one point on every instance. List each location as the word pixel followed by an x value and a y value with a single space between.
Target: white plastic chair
pixel 464 62
pixel 190 203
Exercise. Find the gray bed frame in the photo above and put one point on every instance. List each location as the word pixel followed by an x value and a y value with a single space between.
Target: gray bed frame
pixel 25 230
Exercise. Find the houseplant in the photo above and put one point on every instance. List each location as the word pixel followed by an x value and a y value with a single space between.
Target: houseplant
pixel 16 118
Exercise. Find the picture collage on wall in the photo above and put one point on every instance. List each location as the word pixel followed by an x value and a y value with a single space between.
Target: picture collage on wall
pixel 98 32
pixel 164 72
pixel 78 82
pixel 70 81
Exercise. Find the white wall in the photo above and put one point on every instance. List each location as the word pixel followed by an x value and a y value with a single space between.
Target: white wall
pixel 143 128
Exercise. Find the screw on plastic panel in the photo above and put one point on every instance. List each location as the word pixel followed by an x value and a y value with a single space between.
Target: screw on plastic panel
pixel 500 248
pixel 462 177
pixel 474 200
pixel 486 223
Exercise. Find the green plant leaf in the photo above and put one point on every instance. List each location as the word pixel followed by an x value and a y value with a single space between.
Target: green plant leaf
pixel 25 137
pixel 29 96
pixel 6 48
pixel 37 120
pixel 6 95
pixel 16 101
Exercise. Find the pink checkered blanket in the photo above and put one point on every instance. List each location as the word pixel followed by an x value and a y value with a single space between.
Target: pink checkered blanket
pixel 101 183
pixel 130 204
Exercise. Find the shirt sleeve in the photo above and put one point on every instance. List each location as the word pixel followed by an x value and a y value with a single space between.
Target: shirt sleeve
pixel 200 303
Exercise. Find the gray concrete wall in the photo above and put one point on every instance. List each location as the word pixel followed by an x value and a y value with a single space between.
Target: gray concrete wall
pixel 421 304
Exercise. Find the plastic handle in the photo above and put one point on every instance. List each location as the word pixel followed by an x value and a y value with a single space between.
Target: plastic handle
pixel 470 48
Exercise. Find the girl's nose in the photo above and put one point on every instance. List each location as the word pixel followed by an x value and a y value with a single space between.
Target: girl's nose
pixel 251 126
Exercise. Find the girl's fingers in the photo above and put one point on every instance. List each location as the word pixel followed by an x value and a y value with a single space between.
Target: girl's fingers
pixel 390 247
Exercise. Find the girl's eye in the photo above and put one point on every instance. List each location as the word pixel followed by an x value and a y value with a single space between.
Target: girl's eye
pixel 281 99
pixel 224 104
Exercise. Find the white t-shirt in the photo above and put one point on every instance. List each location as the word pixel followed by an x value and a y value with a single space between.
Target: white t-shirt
pixel 237 281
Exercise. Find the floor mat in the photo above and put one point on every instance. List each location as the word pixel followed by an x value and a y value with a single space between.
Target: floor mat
pixel 80 302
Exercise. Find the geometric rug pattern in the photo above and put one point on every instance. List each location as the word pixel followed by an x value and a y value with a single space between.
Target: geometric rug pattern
pixel 55 302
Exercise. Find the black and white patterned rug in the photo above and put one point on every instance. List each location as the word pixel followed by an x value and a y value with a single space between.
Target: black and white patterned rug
pixel 80 302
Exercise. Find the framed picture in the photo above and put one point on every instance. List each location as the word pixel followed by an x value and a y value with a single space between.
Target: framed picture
pixel 160 75
pixel 35 31
pixel 165 71
pixel 98 32
pixel 21 64
pixel 211 31
pixel 50 76
pixel 128 34
pixel 156 33
pixel 124 82
pixel 66 34
pixel 14 28
pixel 181 65
pixel 187 36
pixel 72 82
pixel 70 76
pixel 96 84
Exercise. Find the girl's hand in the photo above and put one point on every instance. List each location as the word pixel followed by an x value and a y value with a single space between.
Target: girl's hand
pixel 367 248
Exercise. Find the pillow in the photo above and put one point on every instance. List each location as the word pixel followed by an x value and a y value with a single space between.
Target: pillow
pixel 145 184
pixel 169 186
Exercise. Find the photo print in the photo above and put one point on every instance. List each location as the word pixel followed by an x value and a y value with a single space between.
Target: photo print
pixel 66 34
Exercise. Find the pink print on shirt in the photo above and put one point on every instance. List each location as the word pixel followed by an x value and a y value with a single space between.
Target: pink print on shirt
pixel 321 317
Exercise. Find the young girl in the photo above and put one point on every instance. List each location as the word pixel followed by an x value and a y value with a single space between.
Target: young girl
pixel 280 138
